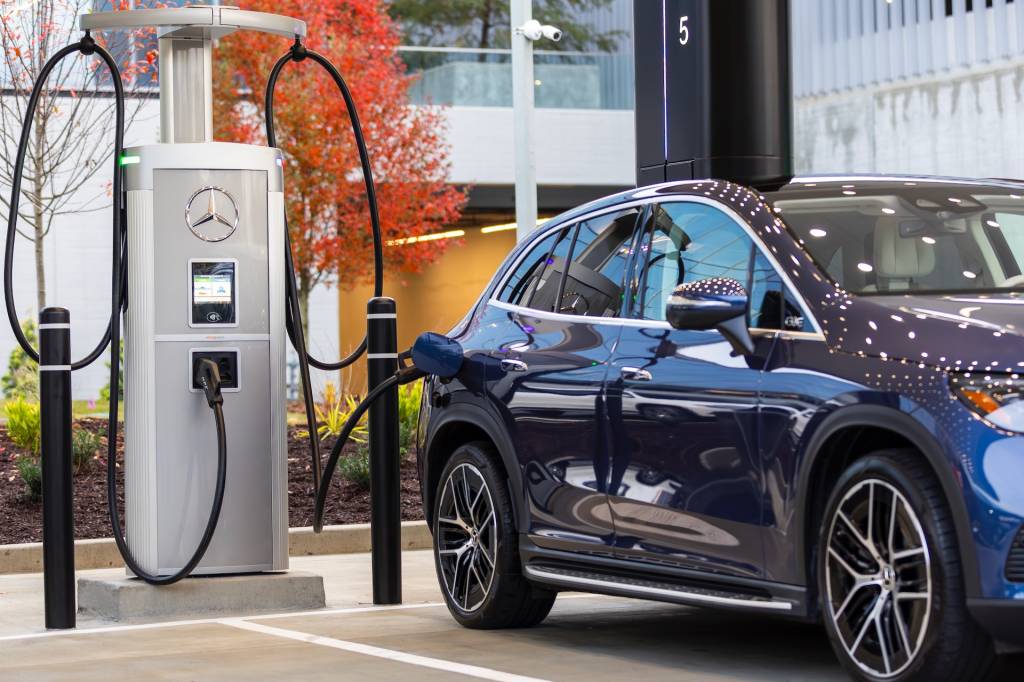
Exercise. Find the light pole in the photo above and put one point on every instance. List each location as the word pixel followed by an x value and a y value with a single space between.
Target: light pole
pixel 524 32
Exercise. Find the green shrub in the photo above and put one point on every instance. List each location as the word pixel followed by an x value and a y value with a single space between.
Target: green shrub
pixel 409 397
pixel 31 473
pixel 105 391
pixel 23 424
pixel 84 446
pixel 23 430
pixel 332 413
pixel 22 378
pixel 355 468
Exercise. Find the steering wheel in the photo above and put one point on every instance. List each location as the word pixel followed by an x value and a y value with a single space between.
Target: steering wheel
pixel 1015 281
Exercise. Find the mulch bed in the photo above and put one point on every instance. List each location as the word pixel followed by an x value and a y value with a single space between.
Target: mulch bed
pixel 21 519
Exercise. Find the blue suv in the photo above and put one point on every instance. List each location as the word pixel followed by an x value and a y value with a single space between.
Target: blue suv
pixel 804 402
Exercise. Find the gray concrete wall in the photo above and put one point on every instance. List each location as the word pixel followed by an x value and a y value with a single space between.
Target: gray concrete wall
pixel 968 122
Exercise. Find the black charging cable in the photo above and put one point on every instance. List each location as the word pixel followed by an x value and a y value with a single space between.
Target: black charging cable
pixel 402 376
pixel 208 377
pixel 86 46
pixel 293 316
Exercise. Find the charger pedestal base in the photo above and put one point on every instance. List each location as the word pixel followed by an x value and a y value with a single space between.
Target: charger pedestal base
pixel 130 599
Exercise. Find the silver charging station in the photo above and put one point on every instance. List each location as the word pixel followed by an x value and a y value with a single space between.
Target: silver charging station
pixel 206 277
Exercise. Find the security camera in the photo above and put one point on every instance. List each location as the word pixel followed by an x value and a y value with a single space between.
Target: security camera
pixel 552 33
pixel 533 30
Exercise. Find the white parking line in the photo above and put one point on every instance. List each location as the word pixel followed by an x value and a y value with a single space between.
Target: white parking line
pixel 206 621
pixel 258 616
pixel 388 654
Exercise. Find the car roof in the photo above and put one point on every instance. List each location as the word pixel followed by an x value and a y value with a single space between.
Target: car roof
pixel 798 182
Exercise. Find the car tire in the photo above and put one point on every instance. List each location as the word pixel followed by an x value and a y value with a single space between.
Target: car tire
pixel 892 592
pixel 476 551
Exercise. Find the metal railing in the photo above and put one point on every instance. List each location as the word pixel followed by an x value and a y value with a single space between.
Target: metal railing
pixel 456 76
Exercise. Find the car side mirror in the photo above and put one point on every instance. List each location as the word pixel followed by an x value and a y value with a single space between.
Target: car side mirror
pixel 719 303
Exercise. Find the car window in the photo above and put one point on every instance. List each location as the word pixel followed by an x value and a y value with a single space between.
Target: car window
pixel 772 305
pixel 687 242
pixel 524 279
pixel 1006 233
pixel 592 285
pixel 889 237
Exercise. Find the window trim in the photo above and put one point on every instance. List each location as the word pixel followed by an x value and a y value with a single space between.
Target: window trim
pixel 646 202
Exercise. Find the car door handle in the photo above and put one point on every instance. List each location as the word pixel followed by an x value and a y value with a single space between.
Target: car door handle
pixel 635 374
pixel 514 366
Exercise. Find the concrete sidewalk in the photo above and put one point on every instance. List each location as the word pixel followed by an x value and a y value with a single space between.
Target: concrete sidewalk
pixel 346 584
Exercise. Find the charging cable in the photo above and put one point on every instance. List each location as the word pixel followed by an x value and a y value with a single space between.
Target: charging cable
pixel 299 53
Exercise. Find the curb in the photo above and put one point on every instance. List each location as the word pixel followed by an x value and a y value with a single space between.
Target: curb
pixel 102 552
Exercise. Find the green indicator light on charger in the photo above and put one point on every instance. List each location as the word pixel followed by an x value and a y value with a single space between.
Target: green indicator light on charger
pixel 130 160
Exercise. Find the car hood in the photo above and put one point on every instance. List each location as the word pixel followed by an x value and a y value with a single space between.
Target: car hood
pixel 950 331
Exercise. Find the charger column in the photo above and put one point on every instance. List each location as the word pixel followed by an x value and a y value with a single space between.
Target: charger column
pixel 385 476
pixel 55 448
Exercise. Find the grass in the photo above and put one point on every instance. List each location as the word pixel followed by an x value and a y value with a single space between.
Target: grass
pixel 94 408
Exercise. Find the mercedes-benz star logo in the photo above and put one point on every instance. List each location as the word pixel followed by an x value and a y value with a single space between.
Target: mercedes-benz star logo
pixel 220 219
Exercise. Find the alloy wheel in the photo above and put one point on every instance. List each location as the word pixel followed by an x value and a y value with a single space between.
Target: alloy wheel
pixel 879 579
pixel 467 537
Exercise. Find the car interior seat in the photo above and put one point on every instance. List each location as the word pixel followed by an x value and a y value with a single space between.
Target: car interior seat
pixel 899 261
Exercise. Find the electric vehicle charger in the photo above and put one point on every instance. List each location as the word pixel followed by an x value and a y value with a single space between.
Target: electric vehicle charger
pixel 208 374
pixel 432 353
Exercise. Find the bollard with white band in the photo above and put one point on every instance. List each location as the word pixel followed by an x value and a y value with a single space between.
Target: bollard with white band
pixel 55 448
pixel 385 475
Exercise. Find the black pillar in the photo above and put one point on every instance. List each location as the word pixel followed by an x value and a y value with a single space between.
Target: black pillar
pixel 385 476
pixel 55 441
pixel 713 91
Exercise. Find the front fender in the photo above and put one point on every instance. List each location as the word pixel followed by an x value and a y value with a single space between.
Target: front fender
pixel 470 412
pixel 888 418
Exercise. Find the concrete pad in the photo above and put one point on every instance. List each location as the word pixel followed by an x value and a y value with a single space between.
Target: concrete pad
pixel 346 581
pixel 129 599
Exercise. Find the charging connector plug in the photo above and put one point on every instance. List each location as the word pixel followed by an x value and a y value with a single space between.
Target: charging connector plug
pixel 208 376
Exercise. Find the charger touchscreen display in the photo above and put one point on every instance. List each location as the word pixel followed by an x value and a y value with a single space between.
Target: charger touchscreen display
pixel 212 288
pixel 213 293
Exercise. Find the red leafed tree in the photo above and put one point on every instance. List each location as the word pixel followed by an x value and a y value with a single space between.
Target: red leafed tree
pixel 325 195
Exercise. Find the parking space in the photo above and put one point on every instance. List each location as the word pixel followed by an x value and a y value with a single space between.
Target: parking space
pixel 589 637
pixel 602 638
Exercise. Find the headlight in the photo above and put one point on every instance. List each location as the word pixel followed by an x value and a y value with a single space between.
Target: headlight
pixel 998 398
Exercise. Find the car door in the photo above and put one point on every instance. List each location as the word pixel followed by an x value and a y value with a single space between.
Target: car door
pixel 549 360
pixel 686 484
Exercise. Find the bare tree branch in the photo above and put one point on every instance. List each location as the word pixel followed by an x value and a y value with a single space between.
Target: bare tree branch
pixel 71 138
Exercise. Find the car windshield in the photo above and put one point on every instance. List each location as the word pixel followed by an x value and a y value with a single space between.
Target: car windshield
pixel 903 236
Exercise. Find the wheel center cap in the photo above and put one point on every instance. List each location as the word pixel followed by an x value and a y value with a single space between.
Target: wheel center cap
pixel 888 577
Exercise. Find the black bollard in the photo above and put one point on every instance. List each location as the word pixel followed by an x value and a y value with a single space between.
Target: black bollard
pixel 385 476
pixel 55 446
